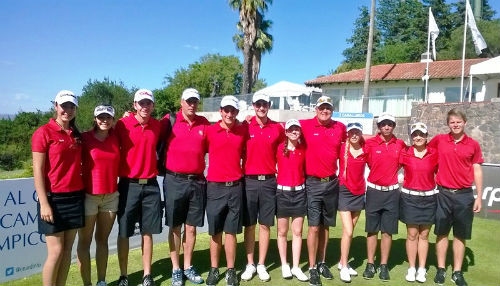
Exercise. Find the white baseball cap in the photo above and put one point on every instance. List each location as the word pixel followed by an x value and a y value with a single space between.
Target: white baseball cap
pixel 104 109
pixel 190 93
pixel 143 94
pixel 229 100
pixel 386 116
pixel 292 122
pixel 419 126
pixel 354 125
pixel 65 96
pixel 324 100
pixel 260 96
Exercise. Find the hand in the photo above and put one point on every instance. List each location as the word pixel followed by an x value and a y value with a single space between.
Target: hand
pixel 477 205
pixel 46 213
pixel 248 118
pixel 126 113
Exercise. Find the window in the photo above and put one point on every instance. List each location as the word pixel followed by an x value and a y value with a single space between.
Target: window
pixel 452 94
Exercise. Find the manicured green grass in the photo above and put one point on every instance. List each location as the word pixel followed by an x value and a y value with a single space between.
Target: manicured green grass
pixel 481 263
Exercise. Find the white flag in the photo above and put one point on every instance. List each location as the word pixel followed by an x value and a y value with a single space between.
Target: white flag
pixel 477 38
pixel 433 31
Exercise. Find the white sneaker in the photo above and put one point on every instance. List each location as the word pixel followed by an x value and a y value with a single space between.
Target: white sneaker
pixel 101 283
pixel 249 272
pixel 262 271
pixel 297 272
pixel 421 273
pixel 344 275
pixel 352 272
pixel 410 275
pixel 286 273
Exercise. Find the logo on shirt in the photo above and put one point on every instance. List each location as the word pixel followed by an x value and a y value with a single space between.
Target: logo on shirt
pixel 378 151
pixel 252 136
pixel 200 132
pixel 61 140
pixel 316 134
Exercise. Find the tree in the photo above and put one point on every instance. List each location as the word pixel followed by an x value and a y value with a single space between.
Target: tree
pixel 102 92
pixel 249 20
pixel 444 18
pixel 366 85
pixel 458 16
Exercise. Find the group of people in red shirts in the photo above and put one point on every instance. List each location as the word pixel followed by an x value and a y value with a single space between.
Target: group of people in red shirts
pixel 259 171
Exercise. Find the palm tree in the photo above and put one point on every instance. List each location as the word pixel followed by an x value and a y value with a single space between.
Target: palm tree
pixel 263 44
pixel 249 20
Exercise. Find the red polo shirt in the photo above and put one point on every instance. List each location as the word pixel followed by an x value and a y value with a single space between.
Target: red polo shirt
pixel 323 146
pixel 63 162
pixel 383 160
pixel 225 151
pixel 291 168
pixel 101 161
pixel 186 146
pixel 138 147
pixel 419 172
pixel 455 160
pixel 354 179
pixel 261 147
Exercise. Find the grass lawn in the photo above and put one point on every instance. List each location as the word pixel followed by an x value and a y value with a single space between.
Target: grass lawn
pixel 481 265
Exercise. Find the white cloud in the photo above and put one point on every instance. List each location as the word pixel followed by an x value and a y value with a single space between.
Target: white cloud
pixel 188 46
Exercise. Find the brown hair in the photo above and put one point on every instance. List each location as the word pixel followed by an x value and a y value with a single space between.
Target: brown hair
pixel 456 112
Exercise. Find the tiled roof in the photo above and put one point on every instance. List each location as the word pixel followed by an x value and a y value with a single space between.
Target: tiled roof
pixel 402 71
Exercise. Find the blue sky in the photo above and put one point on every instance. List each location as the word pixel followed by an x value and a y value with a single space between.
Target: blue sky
pixel 51 45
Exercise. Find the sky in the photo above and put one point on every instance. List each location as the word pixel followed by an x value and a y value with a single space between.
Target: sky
pixel 47 46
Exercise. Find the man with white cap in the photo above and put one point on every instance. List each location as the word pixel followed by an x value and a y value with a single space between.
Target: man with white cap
pixel 184 185
pixel 323 137
pixel 226 143
pixel 139 191
pixel 260 183
pixel 382 194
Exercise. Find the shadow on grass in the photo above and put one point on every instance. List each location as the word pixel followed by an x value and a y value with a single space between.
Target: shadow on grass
pixel 162 268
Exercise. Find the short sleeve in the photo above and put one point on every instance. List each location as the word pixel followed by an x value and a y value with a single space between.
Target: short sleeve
pixel 478 154
pixel 39 141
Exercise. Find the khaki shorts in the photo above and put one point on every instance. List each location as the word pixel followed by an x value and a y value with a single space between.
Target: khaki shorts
pixel 101 203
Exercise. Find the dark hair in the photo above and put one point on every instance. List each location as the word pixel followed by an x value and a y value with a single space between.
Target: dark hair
pixel 72 124
pixel 456 112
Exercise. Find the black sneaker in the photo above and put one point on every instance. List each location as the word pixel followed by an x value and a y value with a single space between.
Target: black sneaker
pixel 458 278
pixel 384 273
pixel 123 281
pixel 213 276
pixel 314 279
pixel 370 271
pixel 324 271
pixel 231 278
pixel 148 281
pixel 440 276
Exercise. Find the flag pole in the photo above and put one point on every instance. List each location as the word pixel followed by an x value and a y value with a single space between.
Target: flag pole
pixel 427 60
pixel 470 88
pixel 463 60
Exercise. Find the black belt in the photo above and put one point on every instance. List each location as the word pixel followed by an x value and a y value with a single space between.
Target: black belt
pixel 261 177
pixel 324 179
pixel 141 181
pixel 185 176
pixel 455 191
pixel 227 184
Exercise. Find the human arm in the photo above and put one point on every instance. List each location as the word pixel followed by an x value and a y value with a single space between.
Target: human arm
pixel 478 181
pixel 46 213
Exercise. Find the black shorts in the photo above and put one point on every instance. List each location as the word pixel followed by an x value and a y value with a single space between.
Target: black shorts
pixel 291 203
pixel 350 202
pixel 454 209
pixel 185 200
pixel 382 211
pixel 259 201
pixel 68 211
pixel 419 210
pixel 322 200
pixel 139 203
pixel 224 207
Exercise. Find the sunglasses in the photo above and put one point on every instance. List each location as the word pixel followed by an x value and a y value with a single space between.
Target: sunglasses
pixel 261 103
pixel 354 124
pixel 229 109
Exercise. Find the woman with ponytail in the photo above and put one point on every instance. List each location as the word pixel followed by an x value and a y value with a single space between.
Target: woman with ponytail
pixel 56 148
pixel 351 192
pixel 291 197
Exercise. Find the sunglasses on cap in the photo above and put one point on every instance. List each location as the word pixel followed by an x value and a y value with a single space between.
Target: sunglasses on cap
pixel 418 126
pixel 354 124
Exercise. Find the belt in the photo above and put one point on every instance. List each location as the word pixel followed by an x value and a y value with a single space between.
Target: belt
pixel 228 184
pixel 419 193
pixel 185 176
pixel 141 181
pixel 456 191
pixel 324 179
pixel 382 188
pixel 261 177
pixel 291 189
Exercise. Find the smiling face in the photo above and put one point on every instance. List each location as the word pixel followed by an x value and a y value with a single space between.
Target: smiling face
pixel 354 136
pixel 261 108
pixel 66 111
pixel 189 106
pixel 293 133
pixel 144 108
pixel 228 114
pixel 104 121
pixel 324 113
pixel 419 138
pixel 456 125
